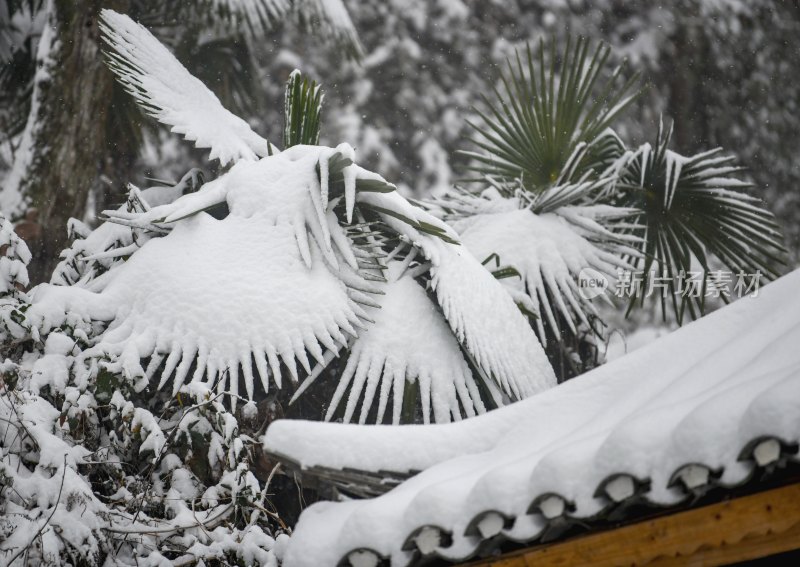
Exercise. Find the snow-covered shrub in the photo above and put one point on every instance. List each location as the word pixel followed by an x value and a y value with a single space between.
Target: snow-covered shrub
pixel 93 471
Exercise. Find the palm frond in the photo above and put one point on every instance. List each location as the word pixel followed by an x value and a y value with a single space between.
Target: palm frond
pixel 327 18
pixel 550 125
pixel 331 19
pixel 408 351
pixel 694 209
pixel 258 15
pixel 549 251
pixel 224 62
pixel 168 92
pixel 302 109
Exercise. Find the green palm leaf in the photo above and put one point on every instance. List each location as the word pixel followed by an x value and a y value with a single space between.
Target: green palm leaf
pixel 693 209
pixel 302 110
pixel 551 125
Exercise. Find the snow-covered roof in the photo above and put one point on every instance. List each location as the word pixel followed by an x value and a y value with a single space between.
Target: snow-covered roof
pixel 706 406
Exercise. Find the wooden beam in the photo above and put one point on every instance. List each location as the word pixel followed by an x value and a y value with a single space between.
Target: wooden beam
pixel 745 528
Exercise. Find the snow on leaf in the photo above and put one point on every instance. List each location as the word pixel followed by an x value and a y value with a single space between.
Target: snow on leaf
pixel 169 93
pixel 409 342
pixel 548 251
pixel 482 315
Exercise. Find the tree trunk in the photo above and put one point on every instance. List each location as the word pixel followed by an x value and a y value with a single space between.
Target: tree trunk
pixel 68 144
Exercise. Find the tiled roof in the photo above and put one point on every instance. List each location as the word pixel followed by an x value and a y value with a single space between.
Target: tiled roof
pixel 715 404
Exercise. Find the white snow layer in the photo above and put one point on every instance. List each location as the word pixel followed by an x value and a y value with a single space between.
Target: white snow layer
pixel 409 337
pixel 696 396
pixel 548 252
pixel 163 87
pixel 277 282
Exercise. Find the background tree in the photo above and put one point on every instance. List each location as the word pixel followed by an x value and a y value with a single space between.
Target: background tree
pixel 80 138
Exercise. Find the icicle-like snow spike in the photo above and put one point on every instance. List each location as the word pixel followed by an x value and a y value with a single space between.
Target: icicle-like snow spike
pixel 349 173
pixel 355 281
pixel 155 361
pixel 326 340
pixel 406 262
pixel 396 250
pixel 419 270
pixel 302 240
pixel 233 386
pixel 341 241
pixel 169 367
pixel 200 367
pixel 462 392
pixel 399 392
pixel 261 368
pixel 362 298
pixel 274 365
pixel 645 150
pixel 189 355
pixel 383 395
pixel 551 281
pixel 326 249
pixel 338 336
pixel 359 381
pixel 361 318
pixel 287 357
pixel 424 381
pixel 372 277
pixel 222 380
pixel 315 372
pixel 674 167
pixel 474 395
pixel 313 348
pixel 323 178
pixel 246 360
pixel 344 382
pixel 300 353
pixel 373 378
pixel 319 209
pixel 359 252
pixel 212 370
pixel 569 289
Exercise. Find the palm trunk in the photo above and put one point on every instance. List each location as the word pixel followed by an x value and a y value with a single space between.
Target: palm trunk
pixel 66 131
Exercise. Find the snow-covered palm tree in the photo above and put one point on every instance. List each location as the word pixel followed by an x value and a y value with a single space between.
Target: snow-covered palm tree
pixel 307 260
pixel 554 192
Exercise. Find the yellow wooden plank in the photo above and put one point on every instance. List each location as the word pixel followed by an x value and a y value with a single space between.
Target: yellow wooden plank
pixel 736 530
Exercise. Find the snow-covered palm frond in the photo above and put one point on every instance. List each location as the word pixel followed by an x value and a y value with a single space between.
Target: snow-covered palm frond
pixel 409 354
pixel 299 294
pixel 295 209
pixel 300 254
pixel 94 252
pixel 693 209
pixel 493 332
pixel 169 93
pixel 543 252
